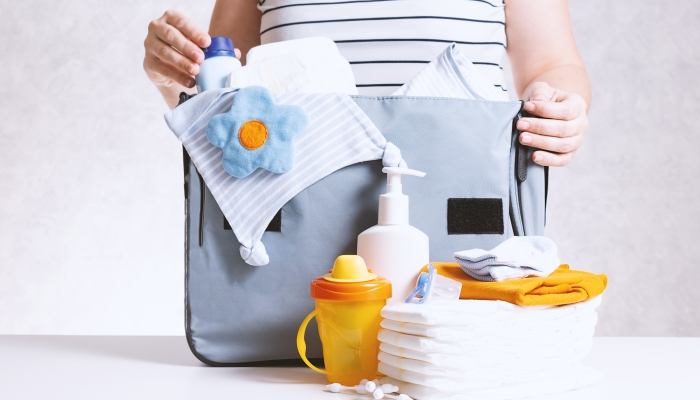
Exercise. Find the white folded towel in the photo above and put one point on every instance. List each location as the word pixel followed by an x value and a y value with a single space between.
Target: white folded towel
pixel 452 75
pixel 517 257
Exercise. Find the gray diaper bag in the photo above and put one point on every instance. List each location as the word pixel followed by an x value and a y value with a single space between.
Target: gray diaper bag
pixel 481 188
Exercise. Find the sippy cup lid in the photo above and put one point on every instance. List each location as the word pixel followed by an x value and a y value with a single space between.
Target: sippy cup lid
pixel 349 280
pixel 349 269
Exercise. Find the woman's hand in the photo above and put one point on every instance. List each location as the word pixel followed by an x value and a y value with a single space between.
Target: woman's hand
pixel 173 51
pixel 559 132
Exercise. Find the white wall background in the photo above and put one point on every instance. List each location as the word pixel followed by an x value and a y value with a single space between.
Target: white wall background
pixel 91 208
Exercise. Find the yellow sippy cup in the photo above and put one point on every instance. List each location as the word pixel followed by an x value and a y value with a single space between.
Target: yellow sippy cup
pixel 348 302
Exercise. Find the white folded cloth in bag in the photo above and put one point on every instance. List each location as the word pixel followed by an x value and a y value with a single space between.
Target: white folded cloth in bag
pixel 298 71
pixel 470 312
pixel 578 377
pixel 452 75
pixel 316 44
pixel 517 257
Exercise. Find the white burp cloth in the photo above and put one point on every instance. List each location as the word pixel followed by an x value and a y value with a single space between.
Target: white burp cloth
pixel 302 70
pixel 451 74
pixel 517 257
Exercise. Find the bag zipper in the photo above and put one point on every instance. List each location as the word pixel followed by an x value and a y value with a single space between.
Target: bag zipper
pixel 519 175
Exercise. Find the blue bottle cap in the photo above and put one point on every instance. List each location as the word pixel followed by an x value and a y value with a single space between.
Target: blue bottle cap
pixel 220 46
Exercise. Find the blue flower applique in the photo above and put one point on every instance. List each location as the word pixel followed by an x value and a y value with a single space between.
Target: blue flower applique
pixel 257 133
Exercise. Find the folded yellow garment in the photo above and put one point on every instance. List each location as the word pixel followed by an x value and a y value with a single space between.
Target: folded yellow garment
pixel 563 286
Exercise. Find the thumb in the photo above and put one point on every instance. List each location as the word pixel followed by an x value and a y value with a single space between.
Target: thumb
pixel 541 91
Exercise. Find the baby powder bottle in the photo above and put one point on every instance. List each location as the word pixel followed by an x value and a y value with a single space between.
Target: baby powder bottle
pixel 219 60
pixel 393 248
pixel 348 302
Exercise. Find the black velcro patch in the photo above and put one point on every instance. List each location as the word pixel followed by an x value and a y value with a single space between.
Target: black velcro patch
pixel 274 226
pixel 475 216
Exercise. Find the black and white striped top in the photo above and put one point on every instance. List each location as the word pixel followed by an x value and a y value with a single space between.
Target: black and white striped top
pixel 388 42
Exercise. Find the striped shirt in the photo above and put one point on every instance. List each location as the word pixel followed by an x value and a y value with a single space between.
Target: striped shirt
pixel 388 42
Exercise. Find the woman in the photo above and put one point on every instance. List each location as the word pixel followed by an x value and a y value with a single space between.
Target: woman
pixel 389 41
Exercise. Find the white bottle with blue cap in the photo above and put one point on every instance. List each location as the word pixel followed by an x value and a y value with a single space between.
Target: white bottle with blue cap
pixel 219 60
pixel 393 249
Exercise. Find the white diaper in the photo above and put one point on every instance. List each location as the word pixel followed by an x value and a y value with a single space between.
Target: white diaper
pixel 470 312
pixel 578 377
pixel 297 72
pixel 318 45
pixel 475 349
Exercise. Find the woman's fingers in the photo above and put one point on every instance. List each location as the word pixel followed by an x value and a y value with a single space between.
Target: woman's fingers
pixel 188 28
pixel 173 52
pixel 552 159
pixel 170 56
pixel 164 74
pixel 552 127
pixel 559 131
pixel 172 37
pixel 555 144
pixel 541 91
pixel 566 110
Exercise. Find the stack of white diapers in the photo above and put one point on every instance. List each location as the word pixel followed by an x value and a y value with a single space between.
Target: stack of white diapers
pixel 477 349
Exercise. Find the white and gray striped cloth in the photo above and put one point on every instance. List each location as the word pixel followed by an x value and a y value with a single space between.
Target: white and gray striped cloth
pixel 453 75
pixel 339 134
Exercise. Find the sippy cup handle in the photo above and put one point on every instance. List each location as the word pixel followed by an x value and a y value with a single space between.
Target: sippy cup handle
pixel 301 344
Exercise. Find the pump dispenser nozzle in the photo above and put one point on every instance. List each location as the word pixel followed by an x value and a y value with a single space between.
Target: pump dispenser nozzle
pixel 393 205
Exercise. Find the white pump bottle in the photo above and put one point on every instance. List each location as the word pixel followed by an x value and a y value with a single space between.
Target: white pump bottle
pixel 393 249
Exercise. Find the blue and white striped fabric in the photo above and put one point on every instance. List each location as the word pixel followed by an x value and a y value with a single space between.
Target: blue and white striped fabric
pixel 339 134
pixel 452 74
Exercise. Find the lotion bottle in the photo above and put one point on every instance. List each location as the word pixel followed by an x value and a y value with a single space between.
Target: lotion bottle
pixel 394 249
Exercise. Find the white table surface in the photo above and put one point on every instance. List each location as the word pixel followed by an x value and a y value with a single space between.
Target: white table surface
pixel 110 367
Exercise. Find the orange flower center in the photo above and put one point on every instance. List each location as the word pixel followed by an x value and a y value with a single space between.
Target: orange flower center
pixel 253 134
